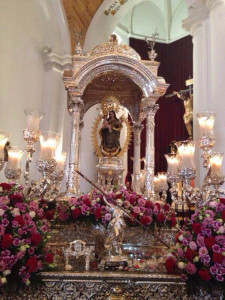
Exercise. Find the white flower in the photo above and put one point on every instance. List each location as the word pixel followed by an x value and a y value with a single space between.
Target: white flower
pixel 196 259
pixel 32 214
pixel 181 238
pixel 3 280
pixel 23 248
pixel 221 230
pixel 219 220
pixel 0 189
pixel 72 207
pixel 6 272
pixel 200 217
pixel 1 212
pixel 16 212
pixel 27 282
pixel 181 265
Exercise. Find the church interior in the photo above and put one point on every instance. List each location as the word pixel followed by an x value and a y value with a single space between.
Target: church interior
pixel 112 179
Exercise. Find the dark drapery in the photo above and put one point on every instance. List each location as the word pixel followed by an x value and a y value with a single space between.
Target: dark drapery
pixel 176 65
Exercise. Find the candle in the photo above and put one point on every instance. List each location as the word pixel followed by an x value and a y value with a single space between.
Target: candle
pixel 173 163
pixel 186 150
pixel 33 119
pixel 60 160
pixel 162 181
pixel 156 184
pixel 206 122
pixel 48 141
pixel 14 158
pixel 216 163
pixel 3 140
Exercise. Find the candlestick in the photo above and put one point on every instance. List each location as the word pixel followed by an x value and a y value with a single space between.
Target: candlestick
pixel 3 140
pixel 48 141
pixel 156 184
pixel 206 123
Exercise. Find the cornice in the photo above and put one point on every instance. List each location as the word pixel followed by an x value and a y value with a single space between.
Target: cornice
pixel 54 61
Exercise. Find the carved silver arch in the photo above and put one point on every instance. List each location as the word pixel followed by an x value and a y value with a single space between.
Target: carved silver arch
pixel 131 68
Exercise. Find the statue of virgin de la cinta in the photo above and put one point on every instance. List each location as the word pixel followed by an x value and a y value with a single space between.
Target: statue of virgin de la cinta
pixel 110 135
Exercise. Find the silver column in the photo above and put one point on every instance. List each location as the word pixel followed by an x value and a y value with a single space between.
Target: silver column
pixel 137 128
pixel 75 105
pixel 150 149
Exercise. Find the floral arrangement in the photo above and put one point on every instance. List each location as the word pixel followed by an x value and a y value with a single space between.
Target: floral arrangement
pixel 92 207
pixel 199 255
pixel 23 237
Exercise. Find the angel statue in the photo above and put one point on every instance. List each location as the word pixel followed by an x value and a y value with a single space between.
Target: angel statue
pixel 114 241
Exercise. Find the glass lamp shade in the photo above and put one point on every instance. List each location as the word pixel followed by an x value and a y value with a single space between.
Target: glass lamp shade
pixel 163 186
pixel 3 140
pixel 206 122
pixel 172 162
pixel 33 119
pixel 48 141
pixel 14 158
pixel 60 161
pixel 186 151
pixel 215 161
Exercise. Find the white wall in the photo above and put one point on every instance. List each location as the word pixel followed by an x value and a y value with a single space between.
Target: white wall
pixel 25 27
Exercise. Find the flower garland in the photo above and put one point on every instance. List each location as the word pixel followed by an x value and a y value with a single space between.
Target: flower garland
pixel 199 255
pixel 92 207
pixel 23 237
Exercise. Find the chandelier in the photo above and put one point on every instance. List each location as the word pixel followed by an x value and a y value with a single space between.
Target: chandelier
pixel 182 169
pixel 49 164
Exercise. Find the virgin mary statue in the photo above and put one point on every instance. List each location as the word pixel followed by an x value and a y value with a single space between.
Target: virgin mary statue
pixel 110 135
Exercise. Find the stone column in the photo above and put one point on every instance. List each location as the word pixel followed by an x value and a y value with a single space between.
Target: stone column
pixel 150 149
pixel 137 128
pixel 75 105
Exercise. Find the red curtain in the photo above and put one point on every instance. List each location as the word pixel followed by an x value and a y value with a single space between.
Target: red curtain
pixel 176 66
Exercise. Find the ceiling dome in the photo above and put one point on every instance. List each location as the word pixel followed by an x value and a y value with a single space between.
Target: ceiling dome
pixel 112 47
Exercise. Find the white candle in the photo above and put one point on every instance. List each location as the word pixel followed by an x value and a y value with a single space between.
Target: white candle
pixel 3 140
pixel 216 163
pixel 186 152
pixel 173 163
pixel 14 158
pixel 60 160
pixel 162 181
pixel 48 141
pixel 206 125
pixel 156 184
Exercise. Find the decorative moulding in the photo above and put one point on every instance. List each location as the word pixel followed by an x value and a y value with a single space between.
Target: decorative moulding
pixel 54 61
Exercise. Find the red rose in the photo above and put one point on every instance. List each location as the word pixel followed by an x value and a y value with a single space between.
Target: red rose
pixel 197 228
pixel 6 241
pixel 20 220
pixel 131 221
pixel 218 257
pixel 158 206
pixel 5 186
pixel 15 198
pixel 170 265
pixel 149 204
pixel 98 213
pixel 132 199
pixel 146 220
pixel 48 258
pixel 190 254
pixel 35 239
pixel 87 202
pixel 49 215
pixel 173 222
pixel 222 200
pixel 210 241
pixel 160 217
pixel 31 264
pixel 166 207
pixel 76 213
pixel 205 275
pixel 223 215
pixel 119 196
